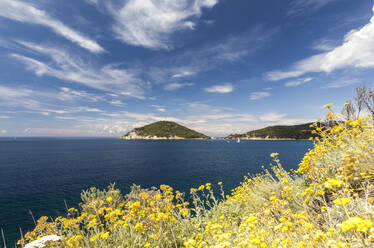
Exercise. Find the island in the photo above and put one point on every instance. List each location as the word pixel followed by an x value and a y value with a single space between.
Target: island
pixel 164 130
pixel 293 132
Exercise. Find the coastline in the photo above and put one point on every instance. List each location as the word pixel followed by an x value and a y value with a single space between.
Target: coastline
pixel 270 139
pixel 161 138
pixel 179 138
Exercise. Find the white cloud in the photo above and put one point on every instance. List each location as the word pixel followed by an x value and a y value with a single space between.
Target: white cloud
pixel 173 86
pixel 8 93
pixel 357 51
pixel 298 7
pixel 258 95
pixel 298 82
pixel 67 94
pixel 233 48
pixel 85 109
pixel 117 103
pixel 272 117
pixel 27 130
pixel 176 86
pixel 39 102
pixel 19 97
pixel 183 73
pixel 341 83
pixel 68 67
pixel 159 108
pixel 47 102
pixel 94 2
pixel 325 45
pixel 27 13
pixel 202 108
pixel 60 132
pixel 222 88
pixel 211 55
pixel 149 23
pixel 2 131
pixel 66 118
pixel 112 95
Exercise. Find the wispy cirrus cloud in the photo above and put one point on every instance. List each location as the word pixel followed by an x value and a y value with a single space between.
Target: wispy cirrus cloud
pixel 298 82
pixel 272 117
pixel 71 68
pixel 325 45
pixel 258 95
pixel 77 131
pixel 299 7
pixel 183 73
pixel 20 97
pixel 94 2
pixel 67 94
pixel 72 95
pixel 177 86
pixel 191 62
pixel 220 88
pixel 230 49
pixel 150 23
pixel 356 51
pixel 27 13
pixel 117 103
pixel 341 83
pixel 159 108
pixel 47 102
pixel 202 108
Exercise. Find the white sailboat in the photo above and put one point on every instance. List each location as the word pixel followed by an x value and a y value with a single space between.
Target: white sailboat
pixel 238 141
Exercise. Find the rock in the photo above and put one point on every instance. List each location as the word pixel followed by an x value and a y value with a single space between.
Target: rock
pixel 41 242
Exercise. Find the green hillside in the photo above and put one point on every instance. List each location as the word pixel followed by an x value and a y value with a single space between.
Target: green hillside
pixel 302 131
pixel 166 129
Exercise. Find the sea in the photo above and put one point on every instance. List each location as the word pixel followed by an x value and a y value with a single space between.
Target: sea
pixel 43 176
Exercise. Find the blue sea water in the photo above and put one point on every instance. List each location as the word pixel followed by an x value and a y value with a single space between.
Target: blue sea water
pixel 41 174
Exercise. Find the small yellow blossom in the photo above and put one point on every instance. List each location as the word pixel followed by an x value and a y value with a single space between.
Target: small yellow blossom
pixel 274 154
pixel 326 106
pixel 342 201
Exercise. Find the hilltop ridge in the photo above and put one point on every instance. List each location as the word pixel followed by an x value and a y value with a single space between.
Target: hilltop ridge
pixel 164 130
pixel 292 132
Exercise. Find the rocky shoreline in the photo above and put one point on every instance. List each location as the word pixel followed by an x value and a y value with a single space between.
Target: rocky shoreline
pixel 134 136
pixel 266 138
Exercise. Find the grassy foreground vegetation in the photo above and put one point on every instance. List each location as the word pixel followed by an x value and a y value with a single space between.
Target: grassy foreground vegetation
pixel 326 202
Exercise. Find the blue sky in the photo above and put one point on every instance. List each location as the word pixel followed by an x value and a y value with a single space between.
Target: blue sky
pixel 103 67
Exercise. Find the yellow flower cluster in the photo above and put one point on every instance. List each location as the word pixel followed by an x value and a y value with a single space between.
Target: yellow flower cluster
pixel 327 202
pixel 356 223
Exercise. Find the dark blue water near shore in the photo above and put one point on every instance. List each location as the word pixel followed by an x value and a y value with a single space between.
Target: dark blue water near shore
pixel 39 174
